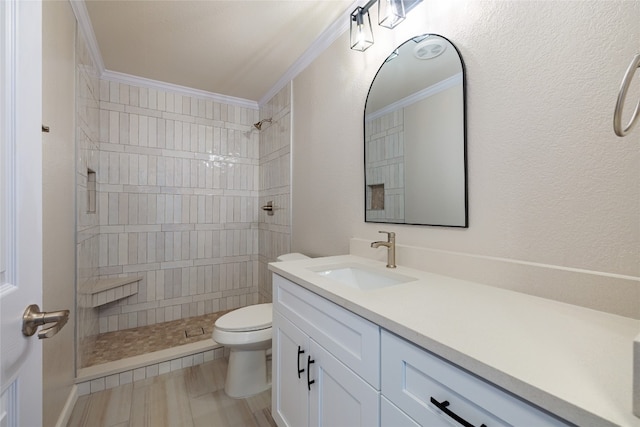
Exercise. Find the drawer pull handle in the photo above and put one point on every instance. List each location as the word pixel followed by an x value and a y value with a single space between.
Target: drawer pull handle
pixel 309 381
pixel 443 407
pixel 300 351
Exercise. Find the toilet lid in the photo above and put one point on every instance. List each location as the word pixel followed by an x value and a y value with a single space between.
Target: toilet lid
pixel 295 256
pixel 250 318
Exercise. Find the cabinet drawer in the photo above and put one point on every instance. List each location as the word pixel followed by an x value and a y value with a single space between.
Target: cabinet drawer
pixel 418 382
pixel 391 416
pixel 350 338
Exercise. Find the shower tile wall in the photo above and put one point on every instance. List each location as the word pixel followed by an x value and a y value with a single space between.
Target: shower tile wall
pixel 177 192
pixel 275 172
pixel 384 165
pixel 87 224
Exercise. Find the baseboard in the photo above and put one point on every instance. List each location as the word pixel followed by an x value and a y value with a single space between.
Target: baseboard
pixel 65 415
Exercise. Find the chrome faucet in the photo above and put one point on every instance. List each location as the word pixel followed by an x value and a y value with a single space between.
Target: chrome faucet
pixel 391 248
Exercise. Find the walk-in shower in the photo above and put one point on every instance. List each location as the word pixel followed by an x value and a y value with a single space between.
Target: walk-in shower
pixel 169 230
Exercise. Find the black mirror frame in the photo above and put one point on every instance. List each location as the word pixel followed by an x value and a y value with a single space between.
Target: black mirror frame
pixel 464 124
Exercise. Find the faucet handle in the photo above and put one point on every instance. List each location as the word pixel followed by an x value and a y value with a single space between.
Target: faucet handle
pixel 390 235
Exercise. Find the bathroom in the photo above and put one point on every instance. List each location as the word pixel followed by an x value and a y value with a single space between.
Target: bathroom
pixel 553 193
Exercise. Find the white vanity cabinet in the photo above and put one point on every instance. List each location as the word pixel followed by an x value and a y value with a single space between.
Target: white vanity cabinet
pixel 433 392
pixel 334 368
pixel 326 362
pixel 409 344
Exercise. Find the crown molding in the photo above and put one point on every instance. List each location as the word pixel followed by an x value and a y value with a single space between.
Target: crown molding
pixel 84 22
pixel 447 83
pixel 324 40
pixel 117 77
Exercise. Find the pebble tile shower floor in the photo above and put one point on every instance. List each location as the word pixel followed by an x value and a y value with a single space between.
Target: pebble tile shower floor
pixel 118 345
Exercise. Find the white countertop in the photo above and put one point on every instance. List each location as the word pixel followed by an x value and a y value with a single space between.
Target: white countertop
pixel 572 361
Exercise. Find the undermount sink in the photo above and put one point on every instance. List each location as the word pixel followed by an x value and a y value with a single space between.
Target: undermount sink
pixel 362 277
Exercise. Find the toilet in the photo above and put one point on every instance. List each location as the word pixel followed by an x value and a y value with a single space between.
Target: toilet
pixel 247 333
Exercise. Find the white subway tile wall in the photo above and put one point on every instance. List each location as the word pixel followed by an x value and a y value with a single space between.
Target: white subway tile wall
pixel 384 164
pixel 178 183
pixel 275 175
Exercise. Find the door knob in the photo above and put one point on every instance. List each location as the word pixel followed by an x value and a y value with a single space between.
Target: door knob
pixel 33 317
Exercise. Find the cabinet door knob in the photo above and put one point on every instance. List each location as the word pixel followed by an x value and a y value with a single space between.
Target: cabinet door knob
pixel 309 381
pixel 300 351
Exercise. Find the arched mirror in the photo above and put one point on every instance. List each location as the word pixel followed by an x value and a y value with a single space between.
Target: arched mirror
pixel 415 136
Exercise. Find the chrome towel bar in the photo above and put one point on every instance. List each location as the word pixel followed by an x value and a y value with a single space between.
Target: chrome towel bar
pixel 624 87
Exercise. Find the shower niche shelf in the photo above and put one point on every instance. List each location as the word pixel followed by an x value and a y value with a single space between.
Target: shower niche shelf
pixel 107 290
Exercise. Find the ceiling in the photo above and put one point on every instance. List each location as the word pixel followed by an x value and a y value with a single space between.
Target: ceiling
pixel 236 48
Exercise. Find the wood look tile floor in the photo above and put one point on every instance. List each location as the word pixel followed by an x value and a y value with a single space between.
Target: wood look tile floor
pixel 189 397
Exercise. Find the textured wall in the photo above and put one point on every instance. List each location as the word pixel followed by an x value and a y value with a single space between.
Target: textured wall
pixel 549 182
pixel 275 173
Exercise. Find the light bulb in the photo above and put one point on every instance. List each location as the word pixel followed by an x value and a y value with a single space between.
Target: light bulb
pixel 360 36
pixel 361 33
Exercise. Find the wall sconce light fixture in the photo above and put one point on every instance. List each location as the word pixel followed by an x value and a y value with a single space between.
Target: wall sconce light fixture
pixel 390 14
pixel 360 29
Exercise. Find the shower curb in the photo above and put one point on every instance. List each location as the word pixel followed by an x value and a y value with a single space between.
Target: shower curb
pixel 113 374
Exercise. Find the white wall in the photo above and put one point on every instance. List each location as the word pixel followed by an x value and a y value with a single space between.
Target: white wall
pixel 434 153
pixel 549 182
pixel 58 182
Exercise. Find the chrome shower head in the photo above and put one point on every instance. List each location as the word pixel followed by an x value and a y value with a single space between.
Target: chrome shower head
pixel 261 122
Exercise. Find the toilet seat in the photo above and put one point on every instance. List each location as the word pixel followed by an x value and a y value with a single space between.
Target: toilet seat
pixel 245 340
pixel 246 319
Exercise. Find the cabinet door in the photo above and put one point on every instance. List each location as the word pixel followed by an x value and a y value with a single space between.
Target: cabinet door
pixel 352 339
pixel 289 396
pixel 339 397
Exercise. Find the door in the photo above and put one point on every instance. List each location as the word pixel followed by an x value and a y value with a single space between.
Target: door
pixel 289 395
pixel 20 210
pixel 339 397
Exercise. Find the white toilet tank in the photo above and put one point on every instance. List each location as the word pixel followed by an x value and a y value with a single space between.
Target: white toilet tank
pixel 292 257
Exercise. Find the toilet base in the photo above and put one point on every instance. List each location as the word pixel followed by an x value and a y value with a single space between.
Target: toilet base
pixel 246 373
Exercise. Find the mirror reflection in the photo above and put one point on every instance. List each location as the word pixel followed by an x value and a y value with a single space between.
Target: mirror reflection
pixel 415 138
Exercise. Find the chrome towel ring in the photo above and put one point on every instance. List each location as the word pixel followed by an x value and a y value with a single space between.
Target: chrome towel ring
pixel 624 87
